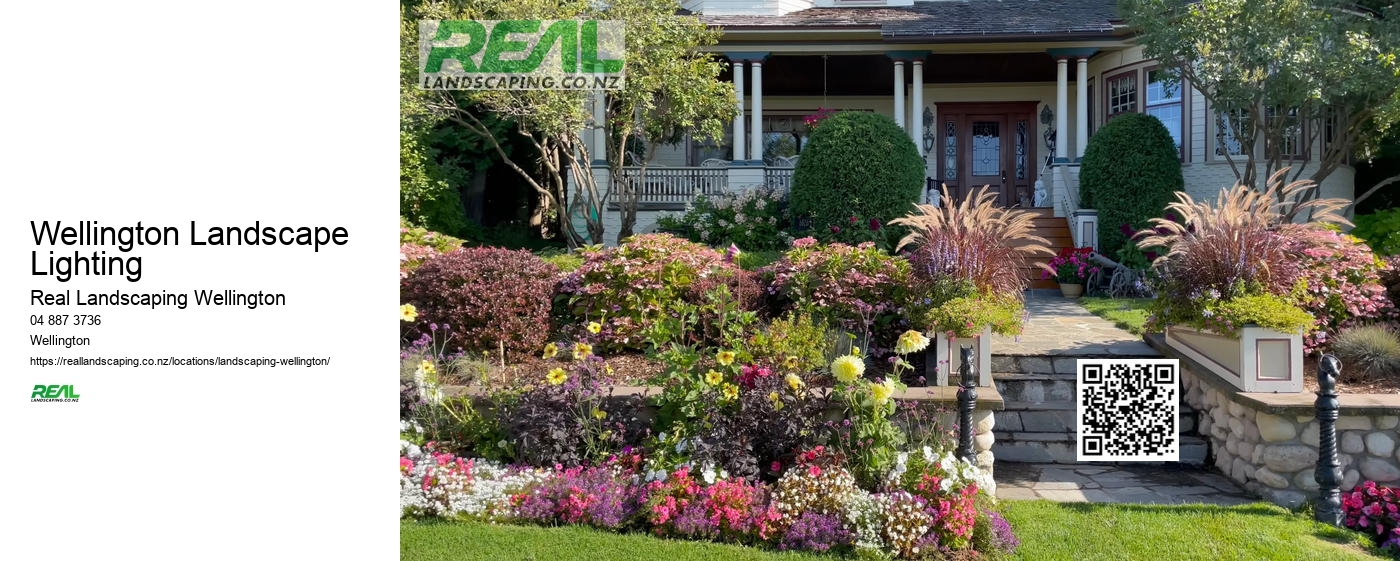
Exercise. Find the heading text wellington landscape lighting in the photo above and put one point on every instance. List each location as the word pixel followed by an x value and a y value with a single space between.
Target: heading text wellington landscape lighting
pixel 88 233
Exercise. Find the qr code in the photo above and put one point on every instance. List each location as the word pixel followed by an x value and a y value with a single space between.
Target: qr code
pixel 1128 410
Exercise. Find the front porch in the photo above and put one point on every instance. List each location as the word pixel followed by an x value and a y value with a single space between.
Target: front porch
pixel 1007 119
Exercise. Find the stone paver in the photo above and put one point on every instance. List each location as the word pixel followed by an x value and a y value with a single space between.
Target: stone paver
pixel 1116 484
pixel 1061 327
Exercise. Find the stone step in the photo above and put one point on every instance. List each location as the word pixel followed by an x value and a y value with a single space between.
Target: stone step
pixel 1003 364
pixel 1038 447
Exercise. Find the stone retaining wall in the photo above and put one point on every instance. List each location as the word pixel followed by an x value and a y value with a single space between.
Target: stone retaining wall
pixel 1268 442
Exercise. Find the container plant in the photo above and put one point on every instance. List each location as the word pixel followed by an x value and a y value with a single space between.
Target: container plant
pixel 1071 269
pixel 968 256
pixel 1229 297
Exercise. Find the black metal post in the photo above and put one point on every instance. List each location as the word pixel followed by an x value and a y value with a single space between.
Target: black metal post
pixel 1329 470
pixel 967 402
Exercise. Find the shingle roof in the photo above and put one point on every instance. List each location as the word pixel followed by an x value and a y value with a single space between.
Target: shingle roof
pixel 946 18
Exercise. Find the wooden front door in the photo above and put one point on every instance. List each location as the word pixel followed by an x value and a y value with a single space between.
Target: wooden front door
pixel 989 144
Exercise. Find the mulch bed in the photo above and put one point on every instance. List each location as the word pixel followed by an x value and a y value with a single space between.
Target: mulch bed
pixel 1351 382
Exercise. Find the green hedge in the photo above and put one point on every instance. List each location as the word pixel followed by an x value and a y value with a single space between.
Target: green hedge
pixel 1130 171
pixel 1381 230
pixel 856 164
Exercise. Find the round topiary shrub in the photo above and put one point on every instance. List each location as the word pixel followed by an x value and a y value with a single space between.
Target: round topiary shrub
pixel 487 295
pixel 856 164
pixel 1130 171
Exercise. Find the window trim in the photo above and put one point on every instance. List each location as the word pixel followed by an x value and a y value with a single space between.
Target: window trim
pixel 1108 80
pixel 1213 140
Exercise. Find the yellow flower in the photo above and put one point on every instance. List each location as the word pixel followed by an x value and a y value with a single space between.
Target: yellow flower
pixel 794 382
pixel 608 368
pixel 582 350
pixel 556 376
pixel 550 350
pixel 775 400
pixel 882 391
pixel 911 342
pixel 428 367
pixel 594 327
pixel 725 358
pixel 730 392
pixel 791 363
pixel 713 378
pixel 847 368
pixel 600 414
pixel 855 351
pixel 408 313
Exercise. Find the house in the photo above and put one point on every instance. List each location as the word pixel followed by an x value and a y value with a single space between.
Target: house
pixel 993 92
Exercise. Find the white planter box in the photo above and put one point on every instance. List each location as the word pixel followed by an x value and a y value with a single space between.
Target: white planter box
pixel 1259 360
pixel 949 358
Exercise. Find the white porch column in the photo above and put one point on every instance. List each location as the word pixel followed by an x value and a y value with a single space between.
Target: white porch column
pixel 916 114
pixel 756 140
pixel 899 93
pixel 1081 107
pixel 600 133
pixel 1061 110
pixel 739 117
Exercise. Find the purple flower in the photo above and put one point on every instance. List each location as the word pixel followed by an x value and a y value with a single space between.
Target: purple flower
pixel 815 532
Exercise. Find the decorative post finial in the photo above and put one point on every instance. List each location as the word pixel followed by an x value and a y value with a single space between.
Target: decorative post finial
pixel 1329 471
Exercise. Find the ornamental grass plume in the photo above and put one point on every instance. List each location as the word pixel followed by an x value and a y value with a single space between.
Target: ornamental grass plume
pixel 974 239
pixel 1235 241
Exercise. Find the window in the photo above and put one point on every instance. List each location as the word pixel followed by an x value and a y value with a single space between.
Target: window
pixel 783 136
pixel 1122 94
pixel 1289 145
pixel 1164 101
pixel 1230 131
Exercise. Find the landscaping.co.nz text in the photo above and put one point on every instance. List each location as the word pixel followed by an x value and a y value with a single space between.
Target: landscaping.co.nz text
pixel 179 361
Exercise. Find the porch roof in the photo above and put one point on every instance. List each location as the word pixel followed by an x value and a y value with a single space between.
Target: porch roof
pixel 951 20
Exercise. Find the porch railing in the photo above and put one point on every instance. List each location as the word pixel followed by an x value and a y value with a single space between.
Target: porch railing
pixel 670 188
pixel 779 179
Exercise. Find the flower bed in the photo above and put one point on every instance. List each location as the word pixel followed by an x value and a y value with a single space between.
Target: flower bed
pixel 928 503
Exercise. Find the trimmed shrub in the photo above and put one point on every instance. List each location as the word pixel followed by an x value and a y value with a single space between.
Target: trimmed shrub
pixel 860 164
pixel 1373 351
pixel 1381 230
pixel 1130 170
pixel 489 296
pixel 649 280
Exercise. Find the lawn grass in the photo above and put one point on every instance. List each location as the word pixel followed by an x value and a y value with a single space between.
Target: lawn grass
pixel 1085 531
pixel 1048 531
pixel 1127 313
pixel 462 541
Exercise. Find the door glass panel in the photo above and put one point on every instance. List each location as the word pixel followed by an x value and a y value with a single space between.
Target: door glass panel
pixel 986 148
pixel 1021 149
pixel 950 152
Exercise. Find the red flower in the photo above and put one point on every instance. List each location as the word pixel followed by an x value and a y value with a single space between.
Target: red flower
pixel 874 224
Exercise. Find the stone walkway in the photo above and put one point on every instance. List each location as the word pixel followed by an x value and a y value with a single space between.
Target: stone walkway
pixel 1100 483
pixel 1061 327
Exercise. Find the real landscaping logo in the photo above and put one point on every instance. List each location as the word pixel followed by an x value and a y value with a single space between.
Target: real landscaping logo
pixel 54 393
pixel 531 54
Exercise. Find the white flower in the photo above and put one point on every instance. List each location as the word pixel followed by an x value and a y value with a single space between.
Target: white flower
pixel 708 474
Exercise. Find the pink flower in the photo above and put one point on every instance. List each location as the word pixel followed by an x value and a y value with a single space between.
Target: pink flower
pixel 776 467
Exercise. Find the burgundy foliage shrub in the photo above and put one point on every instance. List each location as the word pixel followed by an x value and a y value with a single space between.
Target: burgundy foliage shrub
pixel 488 295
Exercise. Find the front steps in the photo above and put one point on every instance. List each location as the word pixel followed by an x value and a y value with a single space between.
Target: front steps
pixel 1052 228
pixel 1035 375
